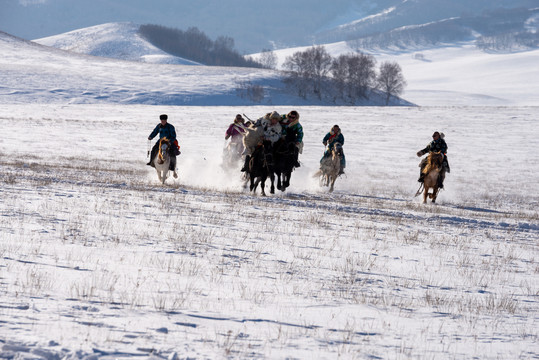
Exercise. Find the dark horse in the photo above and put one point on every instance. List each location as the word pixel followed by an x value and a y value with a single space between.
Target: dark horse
pixel 260 167
pixel 284 152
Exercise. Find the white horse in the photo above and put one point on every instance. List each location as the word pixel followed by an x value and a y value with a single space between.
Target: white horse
pixel 162 160
pixel 330 167
pixel 232 153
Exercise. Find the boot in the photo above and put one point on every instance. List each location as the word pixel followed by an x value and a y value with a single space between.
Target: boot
pixel 296 155
pixel 296 162
pixel 421 177
pixel 341 171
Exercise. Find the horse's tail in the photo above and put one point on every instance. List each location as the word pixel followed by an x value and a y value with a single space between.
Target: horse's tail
pixel 317 174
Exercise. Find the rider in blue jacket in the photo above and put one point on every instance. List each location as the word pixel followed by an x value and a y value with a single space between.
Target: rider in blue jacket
pixel 164 129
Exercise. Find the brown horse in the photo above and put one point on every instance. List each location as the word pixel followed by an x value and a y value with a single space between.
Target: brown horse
pixel 432 170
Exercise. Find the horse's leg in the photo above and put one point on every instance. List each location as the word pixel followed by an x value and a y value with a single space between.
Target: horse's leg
pixel 425 194
pixel 435 193
pixel 287 177
pixel 263 185
pixel 251 182
pixel 272 179
pixel 333 178
pixel 279 185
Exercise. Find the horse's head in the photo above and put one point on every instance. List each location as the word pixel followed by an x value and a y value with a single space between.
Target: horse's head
pixel 164 146
pixel 436 158
pixel 434 161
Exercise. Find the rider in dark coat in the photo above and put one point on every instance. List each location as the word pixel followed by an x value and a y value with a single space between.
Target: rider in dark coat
pixel 164 129
pixel 437 144
pixel 293 131
pixel 332 137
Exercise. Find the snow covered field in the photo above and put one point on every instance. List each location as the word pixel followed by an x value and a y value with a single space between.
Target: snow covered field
pixel 100 261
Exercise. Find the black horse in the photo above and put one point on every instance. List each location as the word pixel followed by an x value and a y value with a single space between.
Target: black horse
pixel 285 154
pixel 261 167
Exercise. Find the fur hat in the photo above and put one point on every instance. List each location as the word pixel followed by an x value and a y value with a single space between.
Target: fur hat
pixel 275 115
pixel 293 113
pixel 163 117
pixel 238 119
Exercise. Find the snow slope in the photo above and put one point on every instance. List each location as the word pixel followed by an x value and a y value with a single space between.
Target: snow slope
pixel 112 40
pixel 450 75
pixel 31 72
pixel 457 74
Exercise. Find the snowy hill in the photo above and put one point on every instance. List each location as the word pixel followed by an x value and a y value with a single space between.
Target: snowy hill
pixel 252 23
pixel 58 76
pixel 458 74
pixel 112 40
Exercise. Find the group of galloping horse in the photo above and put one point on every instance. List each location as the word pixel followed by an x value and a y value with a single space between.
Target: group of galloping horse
pixel 273 162
pixel 277 162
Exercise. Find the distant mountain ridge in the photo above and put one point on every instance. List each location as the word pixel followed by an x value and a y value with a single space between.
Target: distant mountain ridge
pixel 426 23
pixel 258 24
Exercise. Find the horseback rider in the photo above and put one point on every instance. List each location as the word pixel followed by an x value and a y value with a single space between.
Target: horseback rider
pixel 272 131
pixel 437 144
pixel 234 133
pixel 235 129
pixel 164 129
pixel 293 131
pixel 332 137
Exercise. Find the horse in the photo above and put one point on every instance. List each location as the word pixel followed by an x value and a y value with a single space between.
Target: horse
pixel 232 154
pixel 284 156
pixel 432 170
pixel 330 167
pixel 261 167
pixel 162 160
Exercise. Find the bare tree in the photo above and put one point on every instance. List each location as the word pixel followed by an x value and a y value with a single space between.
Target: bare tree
pixel 268 59
pixel 390 79
pixel 319 61
pixel 339 71
pixel 308 69
pixel 353 75
pixel 361 74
